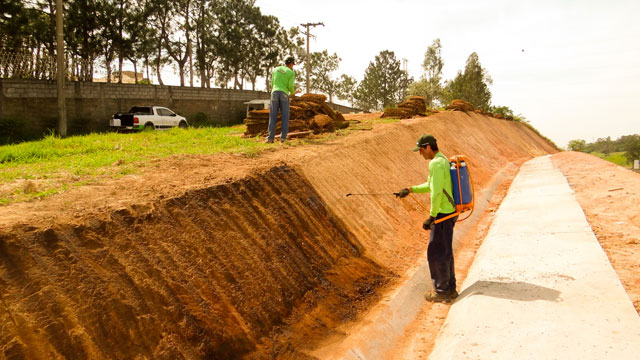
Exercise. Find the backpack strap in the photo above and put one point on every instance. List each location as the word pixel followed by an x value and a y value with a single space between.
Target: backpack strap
pixel 449 197
pixel 453 203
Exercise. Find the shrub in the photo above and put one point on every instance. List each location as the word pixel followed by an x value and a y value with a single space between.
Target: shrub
pixel 15 130
pixel 199 119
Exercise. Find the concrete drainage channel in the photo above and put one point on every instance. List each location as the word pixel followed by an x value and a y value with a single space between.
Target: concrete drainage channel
pixel 380 336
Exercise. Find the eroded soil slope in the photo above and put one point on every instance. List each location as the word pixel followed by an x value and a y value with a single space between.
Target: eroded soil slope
pixel 228 257
pixel 203 275
pixel 382 161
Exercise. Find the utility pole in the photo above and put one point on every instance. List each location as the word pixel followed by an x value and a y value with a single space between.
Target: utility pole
pixel 308 33
pixel 405 68
pixel 61 71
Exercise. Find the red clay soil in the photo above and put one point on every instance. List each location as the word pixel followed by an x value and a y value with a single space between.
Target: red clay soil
pixel 610 198
pixel 226 256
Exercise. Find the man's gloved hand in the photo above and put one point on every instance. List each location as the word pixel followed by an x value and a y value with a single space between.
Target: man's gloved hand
pixel 427 224
pixel 402 193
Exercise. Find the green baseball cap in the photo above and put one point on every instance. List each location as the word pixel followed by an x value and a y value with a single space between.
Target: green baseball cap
pixel 424 140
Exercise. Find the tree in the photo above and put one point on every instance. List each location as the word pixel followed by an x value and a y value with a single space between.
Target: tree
pixel 237 20
pixel 158 19
pixel 108 34
pixel 142 40
pixel 286 43
pixel 632 147
pixel 472 85
pixel 27 32
pixel 384 83
pixel 433 63
pixel 429 86
pixel 82 38
pixel 259 55
pixel 206 40
pixel 137 43
pixel 177 40
pixel 577 145
pixel 121 44
pixel 346 88
pixel 322 65
pixel 12 16
pixel 604 145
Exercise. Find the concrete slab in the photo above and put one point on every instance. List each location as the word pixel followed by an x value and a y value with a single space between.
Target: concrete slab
pixel 540 287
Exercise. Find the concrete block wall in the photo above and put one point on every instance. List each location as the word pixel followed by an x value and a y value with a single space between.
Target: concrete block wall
pixel 91 105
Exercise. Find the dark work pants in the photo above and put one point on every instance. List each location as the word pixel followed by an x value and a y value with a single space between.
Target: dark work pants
pixel 440 255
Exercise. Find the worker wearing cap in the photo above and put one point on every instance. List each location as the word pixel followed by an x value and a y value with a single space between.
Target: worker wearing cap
pixel 282 87
pixel 440 249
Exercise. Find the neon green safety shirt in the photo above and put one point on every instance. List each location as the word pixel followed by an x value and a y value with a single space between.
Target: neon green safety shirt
pixel 439 178
pixel 283 80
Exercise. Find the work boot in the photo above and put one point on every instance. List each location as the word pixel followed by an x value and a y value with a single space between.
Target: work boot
pixel 269 141
pixel 441 297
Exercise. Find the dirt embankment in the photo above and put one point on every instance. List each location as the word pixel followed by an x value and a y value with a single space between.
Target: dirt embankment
pixel 382 161
pixel 206 274
pixel 238 257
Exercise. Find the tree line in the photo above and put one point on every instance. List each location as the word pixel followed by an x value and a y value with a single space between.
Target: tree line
pixel 222 43
pixel 629 144
pixel 385 84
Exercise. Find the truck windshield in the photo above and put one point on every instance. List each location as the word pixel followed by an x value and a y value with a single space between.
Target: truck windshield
pixel 141 110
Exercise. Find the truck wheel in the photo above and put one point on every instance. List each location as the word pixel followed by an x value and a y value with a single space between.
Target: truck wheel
pixel 182 125
pixel 149 126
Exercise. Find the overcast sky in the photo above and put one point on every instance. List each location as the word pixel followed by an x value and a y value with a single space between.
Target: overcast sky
pixel 577 78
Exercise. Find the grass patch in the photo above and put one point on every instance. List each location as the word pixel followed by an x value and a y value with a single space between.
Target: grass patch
pixel 83 155
pixel 54 162
pixel 617 158
pixel 54 165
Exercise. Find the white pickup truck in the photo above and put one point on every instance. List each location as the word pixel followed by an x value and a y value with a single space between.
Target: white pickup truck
pixel 147 117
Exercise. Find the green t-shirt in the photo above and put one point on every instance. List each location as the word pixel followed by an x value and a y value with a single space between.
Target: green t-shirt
pixel 283 80
pixel 439 178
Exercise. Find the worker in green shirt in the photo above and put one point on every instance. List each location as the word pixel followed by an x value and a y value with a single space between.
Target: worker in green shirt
pixel 440 249
pixel 282 87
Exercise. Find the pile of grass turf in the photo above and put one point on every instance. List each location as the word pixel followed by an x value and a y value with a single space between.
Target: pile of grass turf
pixel 303 114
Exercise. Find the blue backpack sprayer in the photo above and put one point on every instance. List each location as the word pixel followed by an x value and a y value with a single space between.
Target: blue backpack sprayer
pixel 463 199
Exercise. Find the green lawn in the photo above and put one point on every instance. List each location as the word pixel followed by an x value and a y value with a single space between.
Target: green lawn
pixel 78 160
pixel 82 155
pixel 41 168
